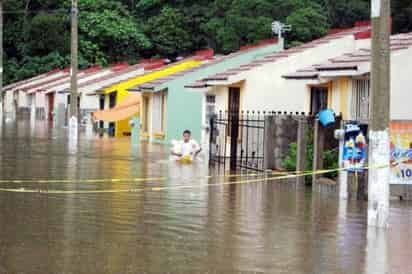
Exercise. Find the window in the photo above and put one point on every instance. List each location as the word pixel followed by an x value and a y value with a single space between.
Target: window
pixel 101 102
pixel 360 100
pixel 112 99
pixel 318 99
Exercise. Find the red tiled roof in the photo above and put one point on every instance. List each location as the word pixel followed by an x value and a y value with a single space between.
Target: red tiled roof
pixel 152 70
pixel 57 82
pixel 155 83
pixel 46 82
pixel 350 61
pixel 120 69
pixel 224 76
pixel 29 80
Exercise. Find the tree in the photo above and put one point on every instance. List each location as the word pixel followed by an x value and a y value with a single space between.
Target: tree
pixel 244 22
pixel 37 37
pixel 344 13
pixel 308 23
pixel 47 33
pixel 402 15
pixel 108 27
pixel 168 33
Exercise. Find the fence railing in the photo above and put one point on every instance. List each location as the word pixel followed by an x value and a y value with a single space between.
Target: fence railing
pixel 237 139
pixel 241 140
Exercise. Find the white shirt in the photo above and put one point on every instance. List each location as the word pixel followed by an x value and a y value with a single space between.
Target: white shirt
pixel 190 147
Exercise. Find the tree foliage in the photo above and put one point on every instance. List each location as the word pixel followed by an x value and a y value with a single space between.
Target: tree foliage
pixel 308 23
pixel 167 32
pixel 37 32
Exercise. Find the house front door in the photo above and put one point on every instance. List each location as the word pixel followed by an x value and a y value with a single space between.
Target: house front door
pixel 318 99
pixel 146 113
pixel 50 102
pixel 101 107
pixel 233 122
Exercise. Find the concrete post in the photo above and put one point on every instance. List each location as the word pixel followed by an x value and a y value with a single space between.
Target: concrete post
pixel 135 131
pixel 32 112
pixel 32 115
pixel 318 148
pixel 270 131
pixel 343 174
pixel 89 126
pixel 379 153
pixel 1 63
pixel 73 128
pixel 73 119
pixel 278 135
pixel 301 149
pixel 60 114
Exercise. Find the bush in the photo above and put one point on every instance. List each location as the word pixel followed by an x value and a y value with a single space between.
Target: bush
pixel 330 161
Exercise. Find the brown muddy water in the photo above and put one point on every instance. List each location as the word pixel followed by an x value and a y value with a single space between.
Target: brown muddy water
pixel 239 228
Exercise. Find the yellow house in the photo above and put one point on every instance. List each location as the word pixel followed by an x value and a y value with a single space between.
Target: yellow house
pixel 117 93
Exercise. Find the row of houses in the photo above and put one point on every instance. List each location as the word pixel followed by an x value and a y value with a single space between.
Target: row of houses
pixel 331 72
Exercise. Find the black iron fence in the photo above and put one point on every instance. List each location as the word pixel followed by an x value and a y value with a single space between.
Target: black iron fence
pixel 262 140
pixel 237 140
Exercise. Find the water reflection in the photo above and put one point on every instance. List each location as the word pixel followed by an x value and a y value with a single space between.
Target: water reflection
pixel 376 259
pixel 257 228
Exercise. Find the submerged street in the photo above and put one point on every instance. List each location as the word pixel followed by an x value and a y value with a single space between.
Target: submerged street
pixel 240 228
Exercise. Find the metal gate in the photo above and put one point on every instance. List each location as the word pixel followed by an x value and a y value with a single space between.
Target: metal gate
pixel 237 140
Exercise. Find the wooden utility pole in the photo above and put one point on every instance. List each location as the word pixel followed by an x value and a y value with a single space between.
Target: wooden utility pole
pixel 379 173
pixel 74 63
pixel 1 62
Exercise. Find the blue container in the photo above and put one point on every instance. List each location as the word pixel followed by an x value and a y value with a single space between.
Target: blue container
pixel 326 117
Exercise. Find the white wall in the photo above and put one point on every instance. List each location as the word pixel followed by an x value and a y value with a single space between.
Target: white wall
pixel 221 93
pixel 401 88
pixel 266 90
pixel 401 85
pixel 40 100
pixel 89 102
pixel 8 101
pixel 23 100
pixel 363 44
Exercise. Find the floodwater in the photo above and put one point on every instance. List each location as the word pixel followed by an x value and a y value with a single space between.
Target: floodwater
pixel 181 228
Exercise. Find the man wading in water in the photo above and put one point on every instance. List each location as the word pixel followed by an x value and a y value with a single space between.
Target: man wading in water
pixel 186 150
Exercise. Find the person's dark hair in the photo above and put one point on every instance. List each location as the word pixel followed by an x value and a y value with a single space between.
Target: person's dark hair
pixel 187 132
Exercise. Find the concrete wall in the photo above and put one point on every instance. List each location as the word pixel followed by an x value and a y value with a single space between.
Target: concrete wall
pixel 282 130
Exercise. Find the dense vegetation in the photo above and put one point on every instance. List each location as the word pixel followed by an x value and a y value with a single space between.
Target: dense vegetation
pixel 37 32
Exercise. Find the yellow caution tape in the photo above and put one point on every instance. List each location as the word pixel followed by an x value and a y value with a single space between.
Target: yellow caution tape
pixel 136 190
pixel 281 176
